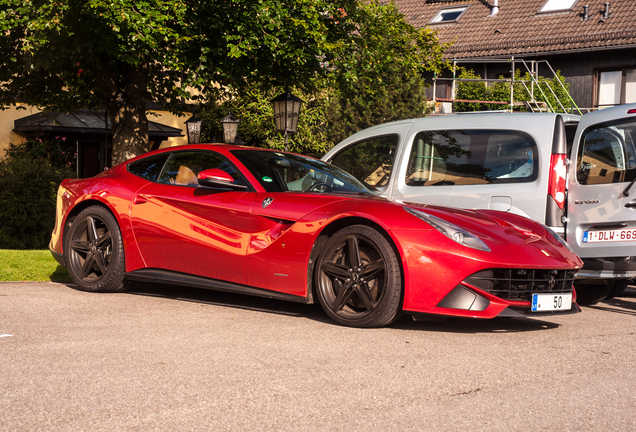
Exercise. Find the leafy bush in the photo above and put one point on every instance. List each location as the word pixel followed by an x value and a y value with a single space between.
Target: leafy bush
pixel 500 91
pixel 29 177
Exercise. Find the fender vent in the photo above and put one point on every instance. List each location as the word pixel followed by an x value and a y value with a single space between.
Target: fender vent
pixel 520 284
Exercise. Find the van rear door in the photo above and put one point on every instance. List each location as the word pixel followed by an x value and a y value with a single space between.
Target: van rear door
pixel 601 201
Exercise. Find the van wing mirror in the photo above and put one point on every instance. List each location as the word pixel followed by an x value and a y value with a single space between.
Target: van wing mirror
pixel 217 178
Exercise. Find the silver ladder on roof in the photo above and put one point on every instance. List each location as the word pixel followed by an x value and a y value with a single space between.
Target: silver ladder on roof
pixel 536 85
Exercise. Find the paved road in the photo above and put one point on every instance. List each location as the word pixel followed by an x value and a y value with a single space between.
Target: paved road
pixel 168 358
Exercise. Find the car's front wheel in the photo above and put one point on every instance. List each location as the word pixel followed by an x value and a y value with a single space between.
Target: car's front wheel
pixel 94 251
pixel 358 278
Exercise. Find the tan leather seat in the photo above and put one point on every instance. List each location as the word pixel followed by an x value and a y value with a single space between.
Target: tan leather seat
pixel 185 176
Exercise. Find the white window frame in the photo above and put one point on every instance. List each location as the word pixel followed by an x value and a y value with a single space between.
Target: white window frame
pixel 558 5
pixel 437 19
pixel 624 90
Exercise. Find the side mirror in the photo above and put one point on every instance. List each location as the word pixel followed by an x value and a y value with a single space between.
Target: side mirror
pixel 217 178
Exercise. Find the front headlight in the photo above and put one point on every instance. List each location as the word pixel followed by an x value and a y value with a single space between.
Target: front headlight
pixel 451 231
pixel 559 238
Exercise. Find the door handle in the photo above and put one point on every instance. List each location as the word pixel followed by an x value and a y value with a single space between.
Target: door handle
pixel 610 225
pixel 630 204
pixel 140 199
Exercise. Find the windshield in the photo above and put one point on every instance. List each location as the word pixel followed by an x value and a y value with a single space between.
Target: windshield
pixel 278 172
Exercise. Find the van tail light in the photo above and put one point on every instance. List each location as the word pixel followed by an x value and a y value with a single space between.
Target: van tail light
pixel 631 111
pixel 556 185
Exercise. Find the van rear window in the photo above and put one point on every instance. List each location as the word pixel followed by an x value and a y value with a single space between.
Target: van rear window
pixel 472 156
pixel 607 153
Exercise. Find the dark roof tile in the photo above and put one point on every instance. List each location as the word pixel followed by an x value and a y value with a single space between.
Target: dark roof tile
pixel 519 28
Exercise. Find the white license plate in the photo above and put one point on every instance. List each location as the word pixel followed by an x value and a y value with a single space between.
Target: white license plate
pixel 616 235
pixel 551 302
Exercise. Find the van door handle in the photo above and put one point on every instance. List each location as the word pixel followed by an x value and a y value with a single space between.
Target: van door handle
pixel 610 225
pixel 630 204
pixel 140 199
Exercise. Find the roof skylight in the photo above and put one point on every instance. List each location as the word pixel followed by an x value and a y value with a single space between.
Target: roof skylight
pixel 557 5
pixel 448 15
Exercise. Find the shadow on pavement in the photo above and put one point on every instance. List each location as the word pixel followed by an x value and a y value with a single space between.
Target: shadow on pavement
pixel 314 312
pixel 624 304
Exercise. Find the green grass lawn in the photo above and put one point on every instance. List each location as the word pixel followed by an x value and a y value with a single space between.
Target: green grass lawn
pixel 31 265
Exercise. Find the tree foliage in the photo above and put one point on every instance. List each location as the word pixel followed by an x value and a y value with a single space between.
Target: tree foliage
pixel 376 77
pixel 29 178
pixel 68 54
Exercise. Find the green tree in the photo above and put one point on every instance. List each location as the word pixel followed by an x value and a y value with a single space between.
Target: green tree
pixel 121 54
pixel 375 77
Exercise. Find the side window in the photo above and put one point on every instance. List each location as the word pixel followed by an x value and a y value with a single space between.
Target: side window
pixel 607 154
pixel 467 157
pixel 369 161
pixel 149 168
pixel 183 167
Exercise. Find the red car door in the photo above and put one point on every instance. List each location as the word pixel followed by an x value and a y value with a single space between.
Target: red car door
pixel 185 228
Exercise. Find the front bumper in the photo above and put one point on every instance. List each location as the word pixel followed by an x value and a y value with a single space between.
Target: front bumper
pixel 608 268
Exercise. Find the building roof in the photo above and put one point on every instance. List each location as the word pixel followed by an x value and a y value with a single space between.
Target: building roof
pixel 519 28
pixel 83 122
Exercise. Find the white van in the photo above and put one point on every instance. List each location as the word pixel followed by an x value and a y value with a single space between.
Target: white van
pixel 573 173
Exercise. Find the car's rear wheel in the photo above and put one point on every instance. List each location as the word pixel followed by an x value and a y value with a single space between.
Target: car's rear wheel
pixel 95 252
pixel 358 279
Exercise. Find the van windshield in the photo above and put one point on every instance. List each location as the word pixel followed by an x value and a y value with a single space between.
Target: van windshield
pixel 607 153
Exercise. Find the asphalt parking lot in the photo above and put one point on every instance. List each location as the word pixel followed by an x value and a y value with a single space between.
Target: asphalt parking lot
pixel 169 358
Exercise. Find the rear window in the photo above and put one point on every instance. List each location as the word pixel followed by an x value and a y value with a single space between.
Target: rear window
pixel 469 157
pixel 150 167
pixel 607 154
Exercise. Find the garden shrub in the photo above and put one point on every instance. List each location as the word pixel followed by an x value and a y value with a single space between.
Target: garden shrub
pixel 30 175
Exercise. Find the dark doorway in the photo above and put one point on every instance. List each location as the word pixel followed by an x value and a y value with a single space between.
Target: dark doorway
pixel 89 160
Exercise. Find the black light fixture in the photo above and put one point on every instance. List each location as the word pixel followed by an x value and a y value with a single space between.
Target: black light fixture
pixel 230 127
pixel 193 127
pixel 286 113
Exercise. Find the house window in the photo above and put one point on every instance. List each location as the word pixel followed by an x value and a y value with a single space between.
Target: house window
pixel 448 15
pixel 557 5
pixel 616 87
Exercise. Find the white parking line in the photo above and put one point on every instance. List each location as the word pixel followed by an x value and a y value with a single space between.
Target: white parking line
pixel 5 335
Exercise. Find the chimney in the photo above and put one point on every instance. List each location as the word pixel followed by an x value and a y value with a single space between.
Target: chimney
pixel 606 13
pixel 495 8
pixel 586 13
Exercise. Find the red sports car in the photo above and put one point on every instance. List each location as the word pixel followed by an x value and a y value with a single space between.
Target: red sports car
pixel 285 226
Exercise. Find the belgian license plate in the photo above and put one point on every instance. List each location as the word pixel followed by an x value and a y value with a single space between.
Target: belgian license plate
pixel 615 235
pixel 551 302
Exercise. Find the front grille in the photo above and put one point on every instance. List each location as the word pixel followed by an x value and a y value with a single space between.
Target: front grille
pixel 520 284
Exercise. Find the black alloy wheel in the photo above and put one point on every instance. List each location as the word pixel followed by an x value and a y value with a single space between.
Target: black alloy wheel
pixel 358 278
pixel 94 251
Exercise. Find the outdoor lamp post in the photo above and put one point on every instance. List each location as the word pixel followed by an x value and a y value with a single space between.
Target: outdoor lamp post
pixel 286 112
pixel 193 126
pixel 230 127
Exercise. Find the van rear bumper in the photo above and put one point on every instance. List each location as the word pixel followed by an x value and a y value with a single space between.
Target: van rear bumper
pixel 608 268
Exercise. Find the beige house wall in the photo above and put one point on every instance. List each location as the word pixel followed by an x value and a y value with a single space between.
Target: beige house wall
pixel 165 117
pixel 9 115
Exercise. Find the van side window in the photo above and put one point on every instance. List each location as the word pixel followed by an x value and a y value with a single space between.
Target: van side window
pixel 471 156
pixel 607 153
pixel 369 161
